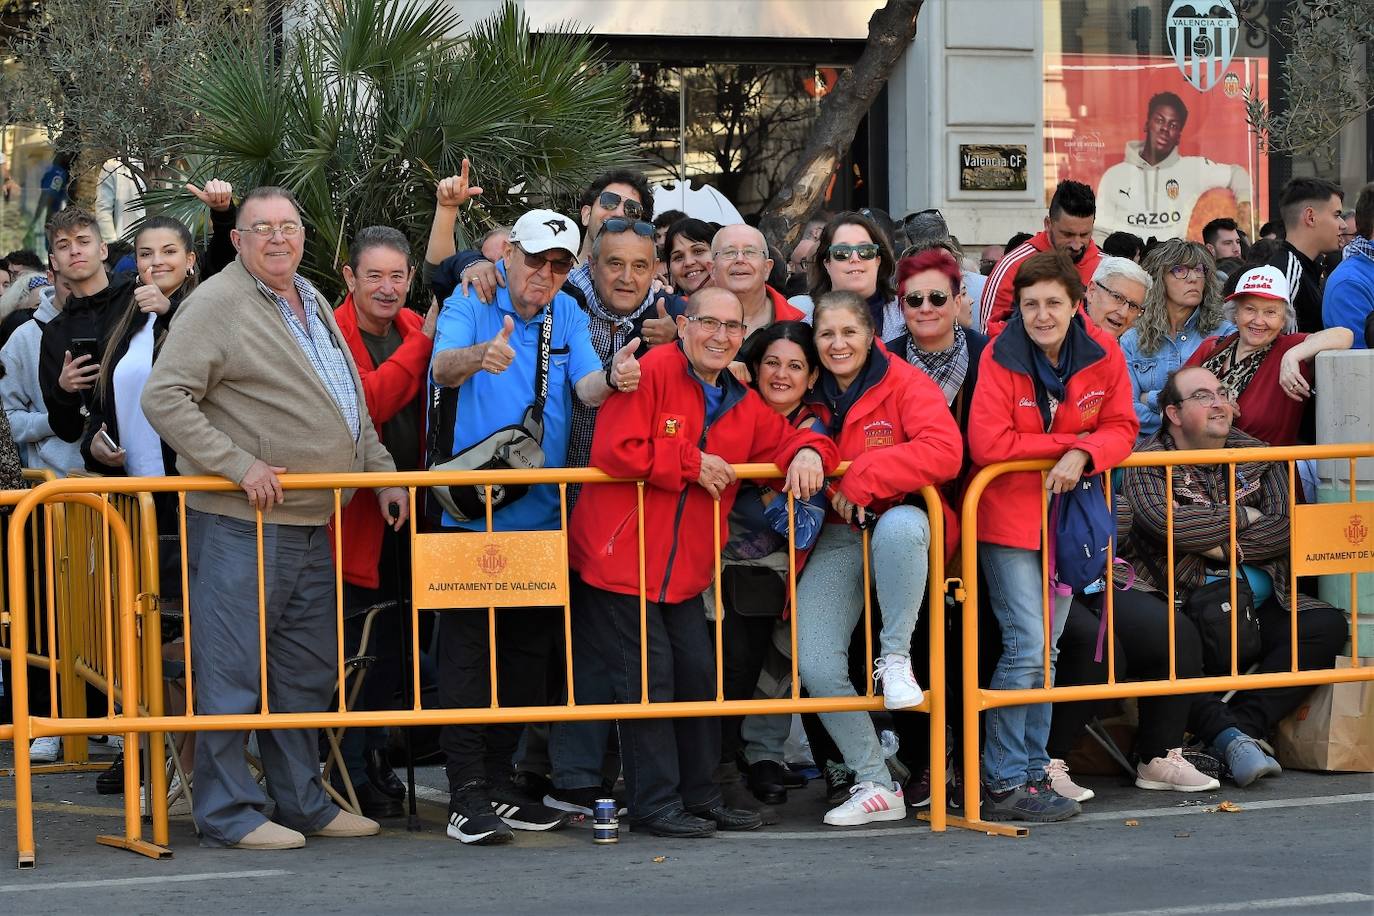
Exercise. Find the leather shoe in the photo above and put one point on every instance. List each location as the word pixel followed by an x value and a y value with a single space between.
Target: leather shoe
pixel 729 818
pixel 765 781
pixel 675 824
pixel 381 775
pixel 375 803
pixel 791 779
pixel 111 781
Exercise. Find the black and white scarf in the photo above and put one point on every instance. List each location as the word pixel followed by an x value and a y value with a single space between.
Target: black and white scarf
pixel 946 368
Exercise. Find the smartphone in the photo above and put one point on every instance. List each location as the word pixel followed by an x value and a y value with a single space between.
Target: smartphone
pixel 104 439
pixel 86 346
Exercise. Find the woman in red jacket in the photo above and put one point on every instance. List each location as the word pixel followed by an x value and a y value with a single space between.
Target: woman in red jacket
pixel 890 421
pixel 689 421
pixel 1051 385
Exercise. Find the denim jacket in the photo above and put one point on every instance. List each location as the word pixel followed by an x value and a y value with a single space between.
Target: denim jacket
pixel 1149 371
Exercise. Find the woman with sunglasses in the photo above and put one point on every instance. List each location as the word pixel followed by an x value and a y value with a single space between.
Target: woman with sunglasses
pixel 687 246
pixel 891 424
pixel 1268 371
pixel 853 254
pixel 1182 307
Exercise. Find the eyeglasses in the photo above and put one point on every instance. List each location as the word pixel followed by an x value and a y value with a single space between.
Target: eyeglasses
pixel 609 200
pixel 712 325
pixel 266 231
pixel 938 298
pixel 1135 307
pixel 734 254
pixel 841 252
pixel 1179 272
pixel 1207 398
pixel 536 262
pixel 621 224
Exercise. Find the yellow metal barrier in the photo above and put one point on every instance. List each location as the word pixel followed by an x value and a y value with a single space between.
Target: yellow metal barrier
pixel 977 700
pixel 135 675
pixel 41 653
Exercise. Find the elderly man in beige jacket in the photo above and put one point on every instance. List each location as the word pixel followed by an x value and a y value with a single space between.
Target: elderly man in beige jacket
pixel 255 379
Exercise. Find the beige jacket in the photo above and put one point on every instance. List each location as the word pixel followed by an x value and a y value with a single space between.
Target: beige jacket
pixel 231 385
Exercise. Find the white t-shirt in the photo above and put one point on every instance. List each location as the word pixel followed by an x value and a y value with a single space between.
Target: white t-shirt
pixel 1134 196
pixel 141 444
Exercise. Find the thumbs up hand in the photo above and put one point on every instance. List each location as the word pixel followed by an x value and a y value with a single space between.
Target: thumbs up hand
pixel 499 354
pixel 148 297
pixel 217 194
pixel 624 374
pixel 660 330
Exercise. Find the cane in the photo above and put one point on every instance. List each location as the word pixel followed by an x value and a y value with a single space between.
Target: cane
pixel 402 602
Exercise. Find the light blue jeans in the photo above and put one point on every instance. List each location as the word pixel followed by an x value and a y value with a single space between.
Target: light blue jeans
pixel 1014 751
pixel 830 603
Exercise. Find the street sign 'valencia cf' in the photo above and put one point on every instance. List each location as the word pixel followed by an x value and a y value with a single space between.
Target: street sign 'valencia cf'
pixel 1202 37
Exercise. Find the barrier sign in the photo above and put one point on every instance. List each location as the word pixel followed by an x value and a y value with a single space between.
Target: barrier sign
pixel 497 569
pixel 1333 538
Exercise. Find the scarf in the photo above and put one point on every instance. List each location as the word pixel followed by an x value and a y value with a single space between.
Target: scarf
pixel 1235 373
pixel 840 402
pixel 1050 379
pixel 946 368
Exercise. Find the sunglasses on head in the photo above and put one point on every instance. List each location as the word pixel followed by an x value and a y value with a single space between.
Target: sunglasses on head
pixel 842 252
pixel 609 200
pixel 937 299
pixel 621 224
pixel 536 262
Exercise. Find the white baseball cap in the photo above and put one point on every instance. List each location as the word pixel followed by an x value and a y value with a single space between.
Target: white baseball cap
pixel 539 230
pixel 1266 282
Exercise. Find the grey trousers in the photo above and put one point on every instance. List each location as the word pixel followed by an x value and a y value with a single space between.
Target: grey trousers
pixel 301 670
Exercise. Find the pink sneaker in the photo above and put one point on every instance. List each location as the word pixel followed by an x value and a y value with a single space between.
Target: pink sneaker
pixel 1173 773
pixel 1058 772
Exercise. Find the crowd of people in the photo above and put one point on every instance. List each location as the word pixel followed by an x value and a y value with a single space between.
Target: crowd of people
pixel 670 350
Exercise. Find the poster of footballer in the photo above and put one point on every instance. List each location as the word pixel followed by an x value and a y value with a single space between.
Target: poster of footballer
pixel 1164 156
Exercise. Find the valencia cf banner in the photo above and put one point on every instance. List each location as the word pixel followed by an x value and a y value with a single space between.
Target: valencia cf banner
pixel 1163 141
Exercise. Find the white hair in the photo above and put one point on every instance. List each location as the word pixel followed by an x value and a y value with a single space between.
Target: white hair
pixel 1112 266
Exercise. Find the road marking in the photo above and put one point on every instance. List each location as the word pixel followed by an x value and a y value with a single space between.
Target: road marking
pixel 1355 798
pixel 1280 903
pixel 69 808
pixel 130 882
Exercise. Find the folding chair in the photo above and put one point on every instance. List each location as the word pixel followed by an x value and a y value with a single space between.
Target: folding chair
pixel 355 672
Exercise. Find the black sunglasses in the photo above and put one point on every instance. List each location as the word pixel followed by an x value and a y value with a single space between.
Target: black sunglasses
pixel 916 300
pixel 609 200
pixel 842 252
pixel 621 224
pixel 536 262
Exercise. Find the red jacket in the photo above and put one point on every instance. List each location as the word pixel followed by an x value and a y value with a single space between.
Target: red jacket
pixel 899 437
pixel 388 389
pixel 657 433
pixel 995 305
pixel 1265 411
pixel 782 309
pixel 1005 424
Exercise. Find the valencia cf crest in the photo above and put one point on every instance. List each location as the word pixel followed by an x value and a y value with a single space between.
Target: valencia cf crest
pixel 1202 37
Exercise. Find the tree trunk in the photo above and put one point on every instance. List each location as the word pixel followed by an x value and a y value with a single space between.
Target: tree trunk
pixel 890 32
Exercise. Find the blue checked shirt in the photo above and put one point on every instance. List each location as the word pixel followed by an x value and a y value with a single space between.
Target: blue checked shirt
pixel 325 355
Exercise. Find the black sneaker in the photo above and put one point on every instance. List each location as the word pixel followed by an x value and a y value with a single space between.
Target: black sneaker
pixel 111 781
pixel 729 818
pixel 531 784
pixel 1035 802
pixel 524 813
pixel 839 779
pixel 471 818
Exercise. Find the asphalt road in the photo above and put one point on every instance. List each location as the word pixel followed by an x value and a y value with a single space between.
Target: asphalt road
pixel 1302 843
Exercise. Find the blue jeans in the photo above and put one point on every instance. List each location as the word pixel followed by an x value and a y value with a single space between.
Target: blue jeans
pixel 1014 752
pixel 830 603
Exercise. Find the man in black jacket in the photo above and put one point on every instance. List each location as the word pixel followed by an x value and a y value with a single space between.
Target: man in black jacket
pixel 66 377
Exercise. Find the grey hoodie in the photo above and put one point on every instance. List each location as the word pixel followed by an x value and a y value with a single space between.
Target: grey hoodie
pixel 23 400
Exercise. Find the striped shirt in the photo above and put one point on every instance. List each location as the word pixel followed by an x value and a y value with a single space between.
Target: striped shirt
pixel 1000 278
pixel 324 353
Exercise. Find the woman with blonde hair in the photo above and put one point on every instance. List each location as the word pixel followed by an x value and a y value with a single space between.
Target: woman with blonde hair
pixel 1182 308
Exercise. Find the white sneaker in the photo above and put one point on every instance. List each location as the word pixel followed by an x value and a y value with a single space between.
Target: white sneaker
pixel 1060 782
pixel 105 745
pixel 868 802
pixel 900 690
pixel 45 750
pixel 1173 773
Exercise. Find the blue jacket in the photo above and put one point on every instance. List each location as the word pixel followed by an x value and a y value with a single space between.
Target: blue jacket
pixel 1349 297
